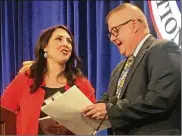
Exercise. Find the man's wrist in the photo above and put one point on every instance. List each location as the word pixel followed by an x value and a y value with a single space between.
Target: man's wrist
pixel 100 101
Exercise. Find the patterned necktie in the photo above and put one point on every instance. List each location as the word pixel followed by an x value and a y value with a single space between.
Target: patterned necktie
pixel 123 75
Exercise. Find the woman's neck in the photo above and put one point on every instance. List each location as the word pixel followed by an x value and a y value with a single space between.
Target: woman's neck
pixel 54 69
pixel 51 78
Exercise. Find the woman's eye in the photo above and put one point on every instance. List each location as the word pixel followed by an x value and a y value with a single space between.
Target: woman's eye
pixel 69 41
pixel 59 38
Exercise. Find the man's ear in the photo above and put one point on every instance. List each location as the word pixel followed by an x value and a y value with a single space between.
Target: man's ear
pixel 135 25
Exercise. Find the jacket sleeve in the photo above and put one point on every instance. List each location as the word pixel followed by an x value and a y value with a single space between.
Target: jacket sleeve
pixel 163 88
pixel 12 94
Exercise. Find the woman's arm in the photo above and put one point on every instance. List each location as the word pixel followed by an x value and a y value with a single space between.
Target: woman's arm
pixel 86 87
pixel 12 94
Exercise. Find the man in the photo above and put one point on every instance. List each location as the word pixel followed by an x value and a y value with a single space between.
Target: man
pixel 147 83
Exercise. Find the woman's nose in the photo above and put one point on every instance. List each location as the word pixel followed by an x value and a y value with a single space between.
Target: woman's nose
pixel 64 41
pixel 65 45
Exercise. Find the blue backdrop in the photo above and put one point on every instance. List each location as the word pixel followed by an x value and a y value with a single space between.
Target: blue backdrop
pixel 22 22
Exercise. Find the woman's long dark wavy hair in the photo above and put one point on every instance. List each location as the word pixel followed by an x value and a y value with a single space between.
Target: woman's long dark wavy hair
pixel 39 67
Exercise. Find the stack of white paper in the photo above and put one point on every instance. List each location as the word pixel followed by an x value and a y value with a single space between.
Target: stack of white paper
pixel 66 110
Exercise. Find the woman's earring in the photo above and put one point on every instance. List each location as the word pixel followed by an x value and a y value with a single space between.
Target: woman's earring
pixel 45 54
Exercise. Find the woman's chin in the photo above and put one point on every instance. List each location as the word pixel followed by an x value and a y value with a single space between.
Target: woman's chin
pixel 62 62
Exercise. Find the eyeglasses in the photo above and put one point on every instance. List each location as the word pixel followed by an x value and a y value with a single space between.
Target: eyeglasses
pixel 115 30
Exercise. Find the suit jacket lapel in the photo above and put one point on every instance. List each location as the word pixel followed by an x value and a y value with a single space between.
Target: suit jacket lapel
pixel 115 78
pixel 137 60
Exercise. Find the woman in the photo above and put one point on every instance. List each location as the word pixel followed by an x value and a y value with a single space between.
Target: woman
pixel 55 69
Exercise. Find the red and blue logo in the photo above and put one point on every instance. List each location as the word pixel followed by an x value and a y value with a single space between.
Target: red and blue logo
pixel 166 17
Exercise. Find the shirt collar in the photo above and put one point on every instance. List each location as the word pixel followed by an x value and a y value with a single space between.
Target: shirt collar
pixel 140 45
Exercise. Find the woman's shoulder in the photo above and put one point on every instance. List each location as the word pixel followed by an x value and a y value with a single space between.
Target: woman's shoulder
pixel 81 79
pixel 23 77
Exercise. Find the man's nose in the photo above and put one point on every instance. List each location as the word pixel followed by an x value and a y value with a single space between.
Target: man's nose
pixel 113 38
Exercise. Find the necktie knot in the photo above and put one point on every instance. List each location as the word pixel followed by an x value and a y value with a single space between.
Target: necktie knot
pixel 131 58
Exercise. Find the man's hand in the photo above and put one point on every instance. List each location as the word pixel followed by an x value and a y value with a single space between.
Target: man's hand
pixel 95 111
pixel 26 66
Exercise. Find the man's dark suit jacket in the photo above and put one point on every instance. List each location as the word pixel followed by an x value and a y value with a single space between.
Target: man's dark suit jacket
pixel 150 100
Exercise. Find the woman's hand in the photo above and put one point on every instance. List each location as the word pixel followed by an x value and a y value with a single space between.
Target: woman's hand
pixel 26 66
